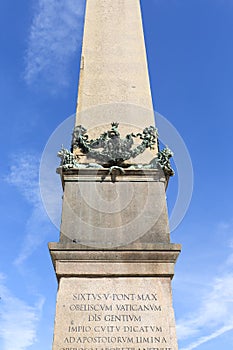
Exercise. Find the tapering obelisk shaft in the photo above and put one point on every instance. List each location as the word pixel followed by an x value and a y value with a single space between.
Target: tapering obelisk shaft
pixel 114 64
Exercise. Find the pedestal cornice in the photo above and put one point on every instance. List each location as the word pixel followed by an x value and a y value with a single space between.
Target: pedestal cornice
pixel 153 260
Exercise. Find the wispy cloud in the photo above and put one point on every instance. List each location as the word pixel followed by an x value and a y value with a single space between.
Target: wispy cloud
pixel 55 35
pixel 215 314
pixel 18 320
pixel 24 175
pixel 207 338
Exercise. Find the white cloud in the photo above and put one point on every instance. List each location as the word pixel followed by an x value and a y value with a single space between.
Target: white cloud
pixel 18 320
pixel 55 35
pixel 215 314
pixel 24 174
pixel 207 338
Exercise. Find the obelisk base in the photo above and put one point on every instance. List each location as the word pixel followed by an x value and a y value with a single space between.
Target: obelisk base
pixel 114 300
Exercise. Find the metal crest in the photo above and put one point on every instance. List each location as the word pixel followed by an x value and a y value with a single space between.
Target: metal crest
pixel 110 148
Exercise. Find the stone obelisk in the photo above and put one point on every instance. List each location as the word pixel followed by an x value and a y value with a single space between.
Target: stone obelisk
pixel 114 261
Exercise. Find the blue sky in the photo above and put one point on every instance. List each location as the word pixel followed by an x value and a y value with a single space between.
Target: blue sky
pixel 190 55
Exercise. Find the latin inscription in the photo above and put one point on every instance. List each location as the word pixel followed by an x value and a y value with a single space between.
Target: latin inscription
pixel 114 321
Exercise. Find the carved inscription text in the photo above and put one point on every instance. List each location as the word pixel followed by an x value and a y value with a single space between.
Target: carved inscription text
pixel 113 320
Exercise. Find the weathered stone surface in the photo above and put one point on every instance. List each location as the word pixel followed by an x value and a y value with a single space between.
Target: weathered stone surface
pixel 114 313
pixel 105 214
pixel 69 260
pixel 114 64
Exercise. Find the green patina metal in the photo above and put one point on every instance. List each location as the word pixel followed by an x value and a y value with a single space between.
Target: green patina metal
pixel 110 148
pixel 163 159
pixel 68 159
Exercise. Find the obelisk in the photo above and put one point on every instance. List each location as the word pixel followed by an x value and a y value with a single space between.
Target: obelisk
pixel 114 261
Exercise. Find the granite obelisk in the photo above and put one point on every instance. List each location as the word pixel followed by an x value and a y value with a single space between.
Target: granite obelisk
pixel 114 261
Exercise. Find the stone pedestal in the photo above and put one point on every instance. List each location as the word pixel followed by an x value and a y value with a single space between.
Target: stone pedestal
pixel 114 262
pixel 114 299
pixel 101 213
